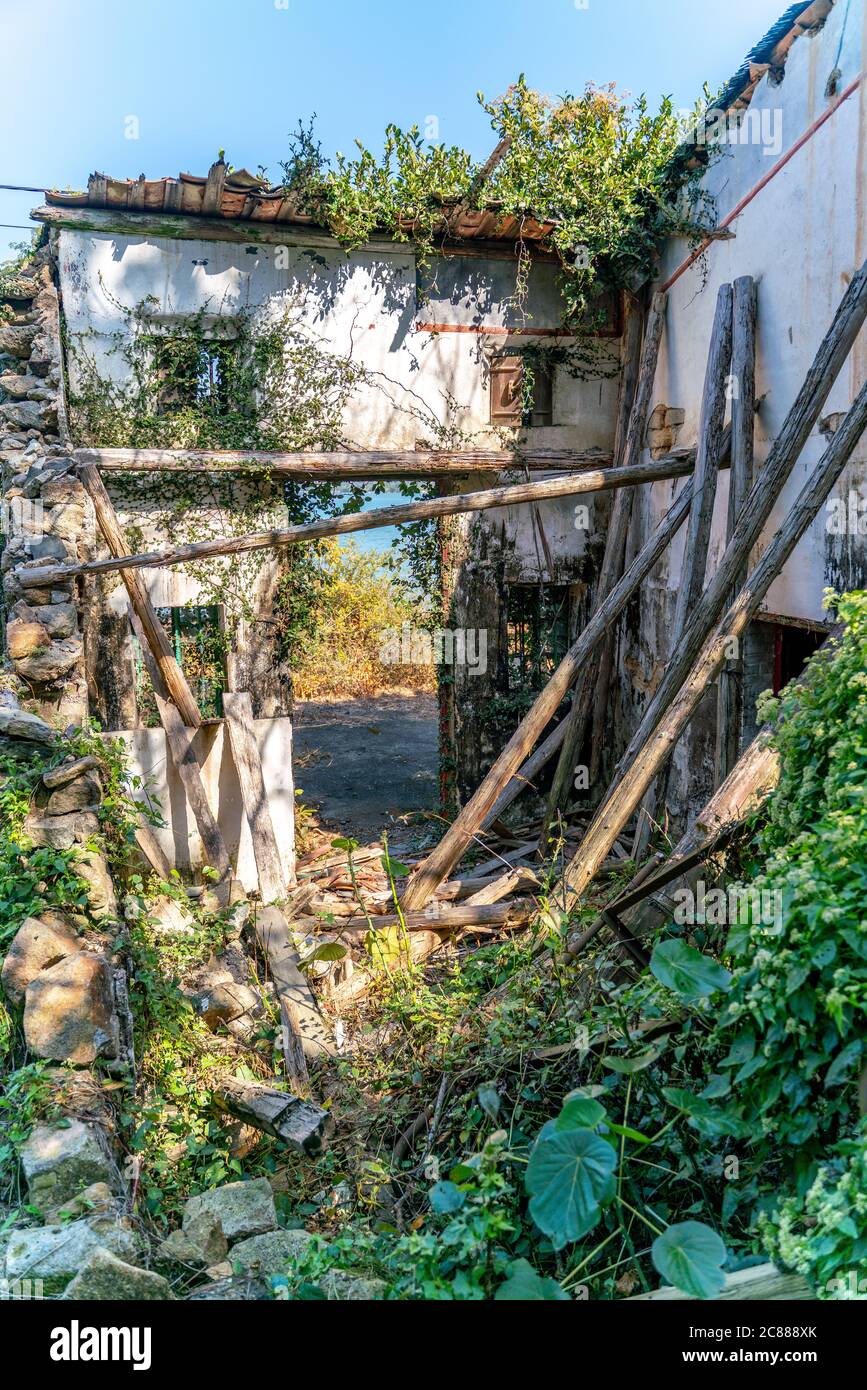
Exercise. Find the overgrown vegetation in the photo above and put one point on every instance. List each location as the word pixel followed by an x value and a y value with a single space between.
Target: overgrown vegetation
pixel 34 878
pixel 514 1128
pixel 597 164
pixel 363 605
pixel 587 1133
pixel 227 379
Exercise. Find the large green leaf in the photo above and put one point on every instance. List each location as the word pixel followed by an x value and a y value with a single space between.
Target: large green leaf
pixel 579 1111
pixel 685 970
pixel 690 1256
pixel 446 1197
pixel 569 1177
pixel 524 1285
pixel 843 1062
pixel 628 1066
pixel 713 1121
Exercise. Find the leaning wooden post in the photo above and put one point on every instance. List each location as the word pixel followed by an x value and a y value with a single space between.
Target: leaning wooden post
pixel 713 405
pixel 439 863
pixel 694 566
pixel 157 641
pixel 657 748
pixel 637 387
pixel 545 752
pixel 238 715
pixel 750 781
pixel 730 702
pixel 628 445
pixel 829 359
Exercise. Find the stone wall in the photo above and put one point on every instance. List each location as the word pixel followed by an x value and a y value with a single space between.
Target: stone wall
pixel 46 512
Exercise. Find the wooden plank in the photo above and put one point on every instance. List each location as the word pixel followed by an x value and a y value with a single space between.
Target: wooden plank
pixel 195 227
pixel 483 176
pixel 763 1283
pixel 152 851
pixel 805 411
pixel 629 445
pixel 753 777
pixel 730 701
pixel 694 564
pixel 657 748
pixel 454 844
pixel 301 1124
pixel 192 226
pixel 439 918
pixel 151 629
pixel 180 741
pixel 621 513
pixel 594 480
pixel 238 714
pixel 500 887
pixel 305 1034
pixel 361 464
pixel 713 404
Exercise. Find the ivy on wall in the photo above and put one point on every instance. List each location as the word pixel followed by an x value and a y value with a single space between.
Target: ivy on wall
pixel 243 381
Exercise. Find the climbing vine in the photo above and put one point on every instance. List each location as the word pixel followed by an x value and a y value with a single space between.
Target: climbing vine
pixel 237 380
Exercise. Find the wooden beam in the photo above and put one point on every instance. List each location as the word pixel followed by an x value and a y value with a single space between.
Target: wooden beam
pixel 153 634
pixel 305 1034
pixel 750 781
pixel 805 411
pixel 764 1283
pixel 195 227
pixel 516 913
pixel 713 404
pixel 628 446
pixel 482 177
pixel 300 1124
pixel 361 464
pixel 595 480
pixel 730 701
pixel 545 752
pixel 152 851
pixel 632 376
pixel 694 563
pixel 657 747
pixel 248 232
pixel 454 844
pixel 180 741
pixel 238 714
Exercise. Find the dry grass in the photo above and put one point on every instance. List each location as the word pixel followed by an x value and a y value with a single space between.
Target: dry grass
pixel 361 603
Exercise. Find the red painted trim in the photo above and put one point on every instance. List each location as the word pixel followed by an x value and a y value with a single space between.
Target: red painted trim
pixel 763 182
pixel 492 331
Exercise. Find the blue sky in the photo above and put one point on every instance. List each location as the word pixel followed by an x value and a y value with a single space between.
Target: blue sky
pixel 204 75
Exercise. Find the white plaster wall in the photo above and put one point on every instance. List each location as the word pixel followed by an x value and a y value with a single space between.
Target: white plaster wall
pixel 367 304
pixel 801 238
pixel 149 758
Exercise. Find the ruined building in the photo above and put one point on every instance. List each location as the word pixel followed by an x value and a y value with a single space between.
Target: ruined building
pixel 443 345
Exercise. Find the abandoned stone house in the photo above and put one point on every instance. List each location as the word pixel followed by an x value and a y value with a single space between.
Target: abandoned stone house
pixel 444 347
